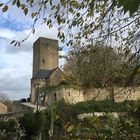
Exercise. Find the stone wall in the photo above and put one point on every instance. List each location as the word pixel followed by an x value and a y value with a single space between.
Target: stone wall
pixel 56 77
pixel 68 95
pixel 120 94
pixel 45 54
pixel 3 108
pixel 35 85
pixel 73 96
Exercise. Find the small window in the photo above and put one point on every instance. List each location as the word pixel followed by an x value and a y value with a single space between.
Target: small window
pixel 43 61
pixel 55 97
pixel 69 93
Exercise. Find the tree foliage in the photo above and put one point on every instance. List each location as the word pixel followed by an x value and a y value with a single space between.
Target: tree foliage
pixel 84 23
pixel 96 67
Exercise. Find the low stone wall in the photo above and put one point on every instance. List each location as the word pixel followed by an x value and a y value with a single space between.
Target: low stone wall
pixel 73 96
pixel 120 94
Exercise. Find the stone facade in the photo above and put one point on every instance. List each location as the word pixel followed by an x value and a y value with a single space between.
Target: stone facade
pixel 45 54
pixel 45 66
pixel 55 79
pixel 69 95
pixel 73 96
pixel 47 73
pixel 3 108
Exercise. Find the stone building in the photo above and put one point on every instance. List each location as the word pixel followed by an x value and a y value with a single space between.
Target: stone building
pixel 3 108
pixel 46 71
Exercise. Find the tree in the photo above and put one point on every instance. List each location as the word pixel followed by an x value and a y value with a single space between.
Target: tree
pixel 10 129
pixel 83 23
pixel 95 67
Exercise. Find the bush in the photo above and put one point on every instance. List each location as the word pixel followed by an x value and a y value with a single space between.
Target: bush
pixel 101 106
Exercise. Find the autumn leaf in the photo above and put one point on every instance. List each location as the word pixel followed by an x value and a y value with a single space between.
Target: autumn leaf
pixel 14 2
pixel 33 15
pixel 26 11
pixel 5 8
pixel 22 6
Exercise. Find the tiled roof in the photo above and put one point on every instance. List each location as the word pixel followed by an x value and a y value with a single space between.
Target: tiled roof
pixel 41 74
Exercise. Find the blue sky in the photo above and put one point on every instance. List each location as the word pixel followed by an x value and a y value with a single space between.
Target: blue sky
pixel 16 62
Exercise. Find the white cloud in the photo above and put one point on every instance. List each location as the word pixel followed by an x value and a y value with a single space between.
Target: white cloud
pixel 6 33
pixel 16 72
pixel 16 62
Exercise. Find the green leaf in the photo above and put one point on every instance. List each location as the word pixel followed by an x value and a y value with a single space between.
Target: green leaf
pixel 59 19
pixel 63 2
pixel 26 11
pixel 33 30
pixel 51 2
pixel 15 44
pixel 18 43
pixel 14 2
pixel 1 4
pixel 12 42
pixel 138 69
pixel 5 8
pixel 31 1
pixel 129 5
pixel 18 3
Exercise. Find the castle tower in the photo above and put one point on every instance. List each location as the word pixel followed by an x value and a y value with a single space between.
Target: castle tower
pixel 45 54
pixel 45 66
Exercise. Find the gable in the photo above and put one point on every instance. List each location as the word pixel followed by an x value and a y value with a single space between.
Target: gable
pixel 57 77
pixel 57 72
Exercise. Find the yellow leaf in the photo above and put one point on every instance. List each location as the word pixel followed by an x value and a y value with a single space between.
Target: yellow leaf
pixel 57 117
pixel 70 128
pixel 66 125
pixel 14 2
pixel 26 11
pixel 22 6
pixel 138 70
pixel 33 15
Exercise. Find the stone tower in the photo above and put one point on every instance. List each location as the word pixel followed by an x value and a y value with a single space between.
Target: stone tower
pixel 46 71
pixel 45 54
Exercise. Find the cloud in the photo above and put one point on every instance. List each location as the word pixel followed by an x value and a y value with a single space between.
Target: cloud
pixel 6 33
pixel 16 62
pixel 26 46
pixel 15 77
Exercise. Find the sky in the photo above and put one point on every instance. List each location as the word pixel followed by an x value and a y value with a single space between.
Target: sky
pixel 16 62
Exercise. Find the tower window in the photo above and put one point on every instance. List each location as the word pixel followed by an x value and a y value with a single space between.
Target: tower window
pixel 43 61
pixel 69 93
pixel 55 97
